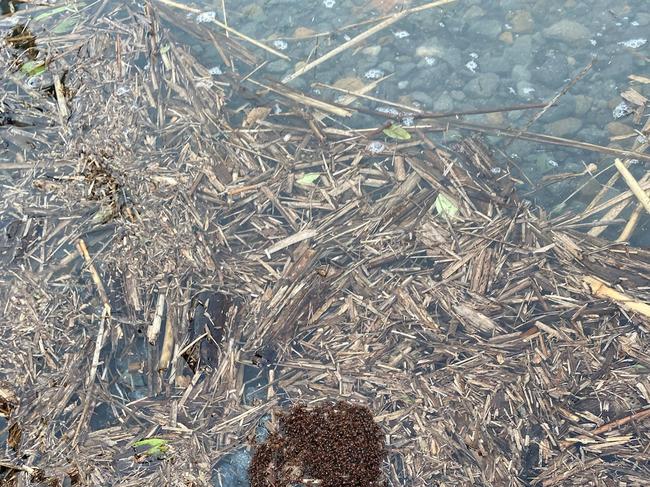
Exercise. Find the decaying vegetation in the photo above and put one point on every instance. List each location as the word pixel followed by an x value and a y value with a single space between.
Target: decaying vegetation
pixel 494 345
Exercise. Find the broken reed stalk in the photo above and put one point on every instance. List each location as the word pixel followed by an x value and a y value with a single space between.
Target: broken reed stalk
pixel 612 180
pixel 631 224
pixel 601 290
pixel 83 251
pixel 549 139
pixel 304 99
pixel 608 204
pixel 632 183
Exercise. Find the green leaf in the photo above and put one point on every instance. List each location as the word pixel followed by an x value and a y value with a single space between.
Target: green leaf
pixel 58 10
pixel 157 446
pixel 67 25
pixel 309 178
pixel 33 68
pixel 50 13
pixel 397 132
pixel 445 206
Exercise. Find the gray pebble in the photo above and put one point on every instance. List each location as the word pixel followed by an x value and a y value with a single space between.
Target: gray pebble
pixel 443 103
pixel 553 71
pixel 490 28
pixel 387 67
pixel 278 66
pixel 520 52
pixel 564 127
pixel 567 30
pixel 485 85
pixel 520 73
pixel 422 98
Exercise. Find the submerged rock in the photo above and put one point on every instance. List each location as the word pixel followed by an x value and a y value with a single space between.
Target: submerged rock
pixel 567 31
pixel 483 86
pixel 564 127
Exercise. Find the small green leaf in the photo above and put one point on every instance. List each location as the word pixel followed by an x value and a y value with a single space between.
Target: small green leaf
pixel 445 206
pixel 67 25
pixel 309 178
pixel 58 10
pixel 397 132
pixel 50 13
pixel 157 446
pixel 33 68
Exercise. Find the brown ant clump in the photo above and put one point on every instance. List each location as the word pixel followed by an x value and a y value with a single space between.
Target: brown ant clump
pixel 332 445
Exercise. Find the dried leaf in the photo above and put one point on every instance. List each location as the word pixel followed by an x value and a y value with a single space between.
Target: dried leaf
pixel 350 83
pixel 255 115
pixel 634 97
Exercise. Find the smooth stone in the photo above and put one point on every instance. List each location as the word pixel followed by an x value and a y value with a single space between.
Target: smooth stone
pixel 457 95
pixel 618 128
pixel 520 73
pixel 567 31
pixel 506 37
pixel 430 49
pixel 406 68
pixel 422 97
pixel 254 11
pixel 299 84
pixel 553 71
pixel 303 32
pixel 387 67
pixel 452 56
pixel 520 52
pixel 490 28
pixel 526 90
pixel 443 103
pixel 497 64
pixel 485 85
pixel 425 75
pixel 583 104
pixel 521 22
pixel 278 66
pixel 474 12
pixel 563 127
pixel 566 107
pixel 372 51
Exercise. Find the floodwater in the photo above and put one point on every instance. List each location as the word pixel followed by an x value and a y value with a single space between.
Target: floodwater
pixel 467 55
